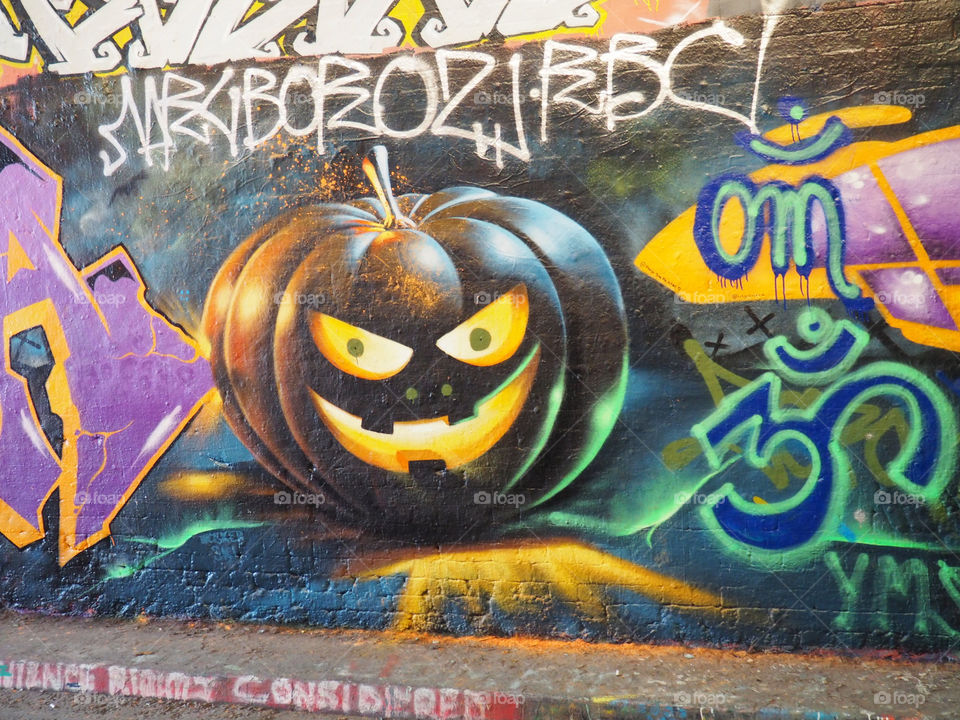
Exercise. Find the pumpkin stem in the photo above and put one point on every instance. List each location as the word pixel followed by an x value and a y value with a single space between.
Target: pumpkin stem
pixel 377 168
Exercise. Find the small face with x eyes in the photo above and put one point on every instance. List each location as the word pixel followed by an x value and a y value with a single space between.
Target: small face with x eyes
pixel 440 388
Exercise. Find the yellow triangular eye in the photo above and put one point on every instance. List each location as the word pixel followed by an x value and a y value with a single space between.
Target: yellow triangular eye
pixel 493 334
pixel 357 351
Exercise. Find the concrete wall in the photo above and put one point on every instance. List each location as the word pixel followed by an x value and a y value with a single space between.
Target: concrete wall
pixel 485 318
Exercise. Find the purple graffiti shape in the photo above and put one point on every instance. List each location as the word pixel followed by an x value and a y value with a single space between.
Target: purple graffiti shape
pixel 96 385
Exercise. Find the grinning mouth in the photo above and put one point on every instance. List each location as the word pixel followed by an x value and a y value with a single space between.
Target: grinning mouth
pixel 435 438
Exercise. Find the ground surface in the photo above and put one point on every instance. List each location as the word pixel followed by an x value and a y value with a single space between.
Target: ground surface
pixel 527 669
pixel 36 705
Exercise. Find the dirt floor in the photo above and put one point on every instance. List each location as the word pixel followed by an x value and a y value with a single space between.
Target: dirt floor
pixel 853 686
pixel 35 705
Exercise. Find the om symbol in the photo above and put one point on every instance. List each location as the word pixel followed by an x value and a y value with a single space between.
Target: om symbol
pixel 753 419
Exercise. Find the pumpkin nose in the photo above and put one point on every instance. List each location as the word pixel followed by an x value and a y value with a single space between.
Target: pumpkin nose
pixel 438 398
pixel 412 394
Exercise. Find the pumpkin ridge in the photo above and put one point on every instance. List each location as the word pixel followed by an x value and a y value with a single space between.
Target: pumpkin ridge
pixel 473 246
pixel 257 408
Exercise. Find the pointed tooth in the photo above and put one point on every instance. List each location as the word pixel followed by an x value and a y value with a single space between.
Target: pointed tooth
pixel 461 412
pixel 378 422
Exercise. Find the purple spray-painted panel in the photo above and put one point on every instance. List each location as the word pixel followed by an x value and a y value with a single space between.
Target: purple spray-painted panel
pixel 85 356
pixel 919 177
pixel 872 233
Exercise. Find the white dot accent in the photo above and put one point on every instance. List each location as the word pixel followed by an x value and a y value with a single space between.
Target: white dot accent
pixel 910 170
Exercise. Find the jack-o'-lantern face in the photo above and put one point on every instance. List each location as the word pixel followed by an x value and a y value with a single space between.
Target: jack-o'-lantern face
pixel 424 355
pixel 402 355
pixel 490 337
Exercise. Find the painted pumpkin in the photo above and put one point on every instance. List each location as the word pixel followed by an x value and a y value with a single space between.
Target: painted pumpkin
pixel 427 362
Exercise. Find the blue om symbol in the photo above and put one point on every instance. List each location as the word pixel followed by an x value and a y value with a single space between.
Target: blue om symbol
pixel 753 419
pixel 781 212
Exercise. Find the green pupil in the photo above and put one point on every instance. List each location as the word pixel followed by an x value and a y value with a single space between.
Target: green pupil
pixel 355 347
pixel 480 339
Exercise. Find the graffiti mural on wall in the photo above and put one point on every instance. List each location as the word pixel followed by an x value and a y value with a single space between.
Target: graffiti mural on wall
pixel 755 415
pixel 873 223
pixel 80 39
pixel 76 343
pixel 408 432
pixel 318 328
